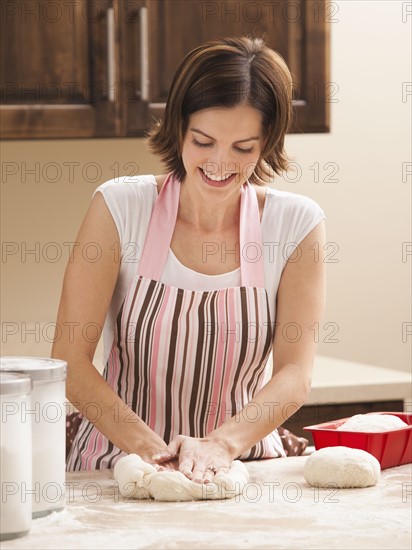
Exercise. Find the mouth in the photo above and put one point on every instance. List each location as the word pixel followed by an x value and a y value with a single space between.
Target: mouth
pixel 216 181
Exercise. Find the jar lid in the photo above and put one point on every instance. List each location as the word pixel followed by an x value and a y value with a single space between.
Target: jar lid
pixel 39 368
pixel 14 383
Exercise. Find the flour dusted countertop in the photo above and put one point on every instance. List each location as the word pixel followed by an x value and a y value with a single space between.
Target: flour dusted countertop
pixel 340 381
pixel 277 509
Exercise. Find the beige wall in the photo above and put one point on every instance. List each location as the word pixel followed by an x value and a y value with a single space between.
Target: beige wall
pixel 368 208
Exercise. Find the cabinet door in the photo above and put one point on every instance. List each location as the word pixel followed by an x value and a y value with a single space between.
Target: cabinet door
pixel 297 29
pixel 102 68
pixel 57 62
pixel 133 78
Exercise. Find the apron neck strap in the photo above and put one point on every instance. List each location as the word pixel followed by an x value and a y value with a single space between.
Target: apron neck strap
pixel 163 221
pixel 250 235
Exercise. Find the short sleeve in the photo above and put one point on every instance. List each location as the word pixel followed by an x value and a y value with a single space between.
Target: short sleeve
pixel 309 214
pixel 130 201
pixel 288 219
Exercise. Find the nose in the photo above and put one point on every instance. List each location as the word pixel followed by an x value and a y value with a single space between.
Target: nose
pixel 221 164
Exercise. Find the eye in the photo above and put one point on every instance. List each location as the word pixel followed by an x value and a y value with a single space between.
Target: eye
pixel 244 150
pixel 199 144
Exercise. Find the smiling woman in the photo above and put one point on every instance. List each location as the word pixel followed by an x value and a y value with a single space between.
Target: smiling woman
pixel 228 73
pixel 228 157
pixel 221 269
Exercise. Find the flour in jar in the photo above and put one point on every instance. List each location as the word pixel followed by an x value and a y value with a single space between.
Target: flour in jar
pixel 16 481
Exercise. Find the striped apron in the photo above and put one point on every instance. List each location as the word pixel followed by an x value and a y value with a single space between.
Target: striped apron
pixel 186 361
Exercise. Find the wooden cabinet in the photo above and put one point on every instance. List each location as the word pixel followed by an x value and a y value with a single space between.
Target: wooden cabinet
pixel 54 59
pixel 102 68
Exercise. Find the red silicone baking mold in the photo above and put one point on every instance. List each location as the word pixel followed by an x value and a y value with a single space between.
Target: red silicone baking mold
pixel 391 448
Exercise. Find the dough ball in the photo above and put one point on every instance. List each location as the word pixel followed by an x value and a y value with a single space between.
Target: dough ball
pixel 138 479
pixel 342 467
pixel 372 423
pixel 173 486
pixel 131 472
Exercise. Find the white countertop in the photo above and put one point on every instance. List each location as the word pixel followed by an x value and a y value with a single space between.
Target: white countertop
pixel 340 381
pixel 277 509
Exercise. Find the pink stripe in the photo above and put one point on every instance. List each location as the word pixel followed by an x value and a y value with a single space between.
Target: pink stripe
pixel 102 444
pixel 220 356
pixel 191 353
pixel 252 273
pixel 156 336
pixel 179 361
pixel 225 402
pixel 160 230
pixel 89 453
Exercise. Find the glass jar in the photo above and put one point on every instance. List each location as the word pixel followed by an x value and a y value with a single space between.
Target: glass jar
pixel 48 416
pixel 15 451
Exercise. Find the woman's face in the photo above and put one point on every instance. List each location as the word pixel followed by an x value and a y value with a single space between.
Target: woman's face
pixel 222 146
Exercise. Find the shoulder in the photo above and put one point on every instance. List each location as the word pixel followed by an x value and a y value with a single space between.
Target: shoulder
pixel 290 204
pixel 130 200
pixel 289 217
pixel 128 186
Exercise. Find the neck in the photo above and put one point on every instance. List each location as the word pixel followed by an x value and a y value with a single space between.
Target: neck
pixel 208 212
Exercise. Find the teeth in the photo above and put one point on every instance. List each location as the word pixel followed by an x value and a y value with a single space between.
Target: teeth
pixel 215 178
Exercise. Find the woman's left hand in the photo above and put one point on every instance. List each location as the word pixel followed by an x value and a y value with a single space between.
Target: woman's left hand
pixel 200 459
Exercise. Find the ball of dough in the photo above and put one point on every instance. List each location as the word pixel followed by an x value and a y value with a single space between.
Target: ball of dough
pixel 372 423
pixel 131 473
pixel 342 467
pixel 140 480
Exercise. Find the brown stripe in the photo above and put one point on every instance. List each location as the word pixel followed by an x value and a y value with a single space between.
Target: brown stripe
pixel 197 366
pixel 127 363
pixel 220 404
pixel 88 434
pixel 267 346
pixel 210 371
pixel 255 376
pixel 109 448
pixel 115 454
pixel 118 340
pixel 183 372
pixel 79 444
pixel 171 366
pixel 244 341
pixel 142 349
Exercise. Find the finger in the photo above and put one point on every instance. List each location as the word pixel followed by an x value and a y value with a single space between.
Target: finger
pixel 212 471
pixel 201 472
pixel 171 452
pixel 186 467
pixel 170 464
pixel 222 470
pixel 175 445
pixel 165 456
pixel 209 475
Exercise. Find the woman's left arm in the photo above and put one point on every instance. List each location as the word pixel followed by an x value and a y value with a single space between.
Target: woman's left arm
pixel 300 305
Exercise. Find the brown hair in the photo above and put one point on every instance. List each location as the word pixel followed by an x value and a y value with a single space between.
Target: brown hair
pixel 227 72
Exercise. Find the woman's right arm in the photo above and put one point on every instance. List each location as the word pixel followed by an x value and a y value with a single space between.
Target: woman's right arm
pixel 87 291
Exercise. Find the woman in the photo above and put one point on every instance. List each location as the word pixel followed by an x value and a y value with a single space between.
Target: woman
pixel 216 271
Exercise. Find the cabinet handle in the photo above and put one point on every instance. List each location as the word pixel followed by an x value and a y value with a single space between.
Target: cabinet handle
pixel 157 106
pixel 144 55
pixel 111 62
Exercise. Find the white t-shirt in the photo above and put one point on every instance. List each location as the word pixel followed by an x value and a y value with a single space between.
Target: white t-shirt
pixel 286 220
